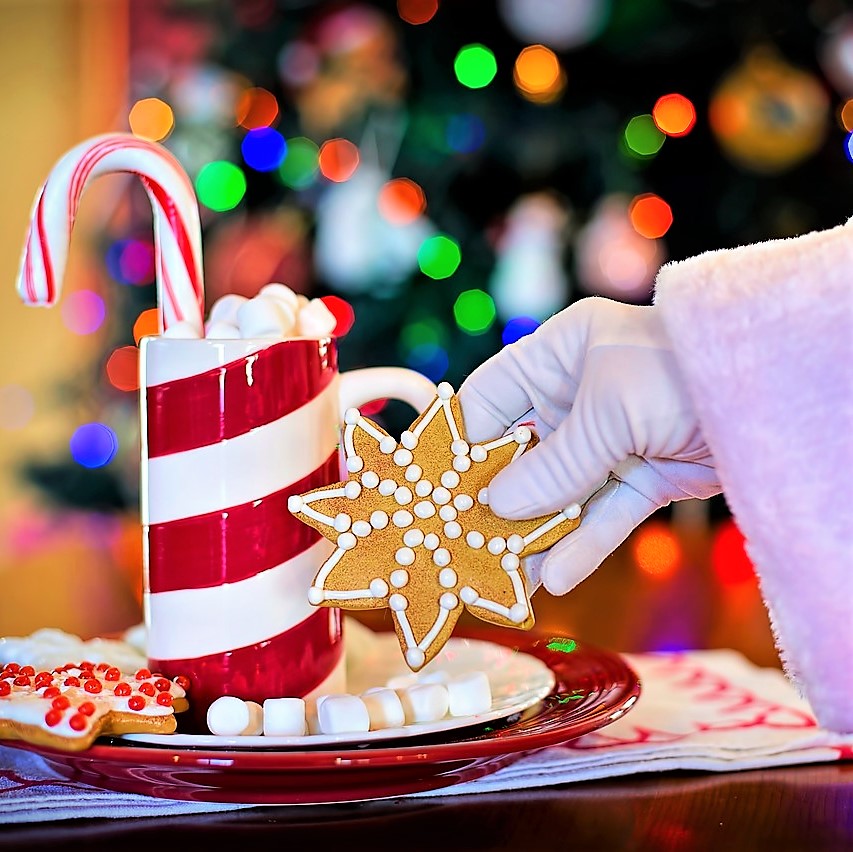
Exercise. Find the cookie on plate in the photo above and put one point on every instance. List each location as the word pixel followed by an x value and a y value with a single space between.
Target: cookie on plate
pixel 413 530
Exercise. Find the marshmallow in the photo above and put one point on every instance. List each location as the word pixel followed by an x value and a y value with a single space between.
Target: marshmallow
pixel 284 717
pixel 401 681
pixel 283 293
pixel 315 320
pixel 384 708
pixel 220 330
pixel 265 316
pixel 229 716
pixel 182 330
pixel 225 308
pixel 343 714
pixel 469 694
pixel 424 702
pixel 439 676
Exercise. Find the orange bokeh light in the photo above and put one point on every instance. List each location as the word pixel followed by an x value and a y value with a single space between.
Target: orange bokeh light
pixel 537 68
pixel 147 323
pixel 152 119
pixel 338 159
pixel 401 201
pixel 674 114
pixel 845 115
pixel 650 215
pixel 656 550
pixel 123 368
pixel 256 107
pixel 417 11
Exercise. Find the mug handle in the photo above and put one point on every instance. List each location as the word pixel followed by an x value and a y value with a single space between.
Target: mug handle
pixel 364 385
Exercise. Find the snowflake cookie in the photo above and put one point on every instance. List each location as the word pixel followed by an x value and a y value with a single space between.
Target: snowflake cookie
pixel 414 532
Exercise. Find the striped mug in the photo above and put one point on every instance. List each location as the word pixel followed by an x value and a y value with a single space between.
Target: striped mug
pixel 229 430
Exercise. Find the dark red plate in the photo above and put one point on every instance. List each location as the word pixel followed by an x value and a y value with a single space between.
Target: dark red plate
pixel 593 687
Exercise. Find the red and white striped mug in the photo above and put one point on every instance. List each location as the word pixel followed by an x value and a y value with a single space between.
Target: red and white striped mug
pixel 230 429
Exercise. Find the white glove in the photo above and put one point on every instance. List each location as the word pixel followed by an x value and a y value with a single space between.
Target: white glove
pixel 605 394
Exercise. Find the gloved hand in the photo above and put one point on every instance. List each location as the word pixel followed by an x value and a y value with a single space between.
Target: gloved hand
pixel 605 394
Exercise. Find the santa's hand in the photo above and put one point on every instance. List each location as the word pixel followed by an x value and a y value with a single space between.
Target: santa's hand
pixel 605 393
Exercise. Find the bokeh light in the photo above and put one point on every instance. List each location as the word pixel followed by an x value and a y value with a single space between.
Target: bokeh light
pixel 343 313
pixel 538 75
pixel 845 115
pixel 729 559
pixel 338 159
pixel 417 11
pixel 256 107
pixel 220 185
pixel 465 133
pixel 643 137
pixel 123 368
pixel 429 359
pixel 263 149
pixel 518 327
pixel 674 114
pixel 475 66
pixel 439 256
pixel 401 201
pixel 146 324
pixel 300 166
pixel 93 445
pixel 428 330
pixel 131 262
pixel 474 311
pixel 151 118
pixel 848 147
pixel 83 311
pixel 16 407
pixel 656 550
pixel 650 215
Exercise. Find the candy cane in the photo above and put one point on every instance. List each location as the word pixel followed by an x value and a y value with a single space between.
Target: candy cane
pixel 177 230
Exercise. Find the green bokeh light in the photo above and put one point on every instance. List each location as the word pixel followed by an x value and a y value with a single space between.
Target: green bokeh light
pixel 474 311
pixel 301 163
pixel 643 137
pixel 475 66
pixel 220 185
pixel 439 256
pixel 423 332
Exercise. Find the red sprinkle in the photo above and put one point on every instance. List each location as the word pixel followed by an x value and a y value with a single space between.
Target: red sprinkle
pixel 52 718
pixel 27 670
pixel 143 674
pixel 93 685
pixel 86 708
pixel 102 667
pixel 162 684
pixel 164 698
pixel 50 692
pixel 61 702
pixel 147 689
pixel 183 681
pixel 122 689
pixel 5 687
pixel 136 702
pixel 12 668
pixel 86 665
pixel 78 722
pixel 21 680
pixel 72 681
pixel 112 674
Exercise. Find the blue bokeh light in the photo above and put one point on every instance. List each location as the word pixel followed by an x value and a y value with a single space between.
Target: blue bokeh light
pixel 263 149
pixel 848 147
pixel 93 445
pixel 465 133
pixel 518 327
pixel 429 359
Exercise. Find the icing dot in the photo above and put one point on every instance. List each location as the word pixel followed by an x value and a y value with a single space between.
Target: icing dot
pixel 378 587
pixel 402 495
pixel 413 537
pixel 517 613
pixel 346 541
pixel 572 511
pixel 483 496
pixel 447 513
pixel 445 390
pixel 387 487
pixel 315 595
pixel 409 440
pixel 459 447
pixel 522 435
pixel 441 557
pixel 352 490
pixel 351 416
pixel 342 522
pixel 379 520
pixel 510 562
pixel 431 541
pixel 450 479
pixel 404 556
pixel 447 578
pixel 355 464
pixel 475 539
pixel 478 453
pixel 402 457
pixel 441 495
pixel 398 602
pixel 387 445
pixel 415 658
pixel 452 529
pixel 413 473
pixel 402 518
pixel 515 543
pixel 463 502
pixel 399 578
pixel 362 528
pixel 468 595
pixel 370 479
pixel 461 463
pixel 424 509
pixel 423 488
pixel 448 601
pixel 295 503
pixel 497 545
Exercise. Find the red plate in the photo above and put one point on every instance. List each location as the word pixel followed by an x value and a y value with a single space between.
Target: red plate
pixel 593 688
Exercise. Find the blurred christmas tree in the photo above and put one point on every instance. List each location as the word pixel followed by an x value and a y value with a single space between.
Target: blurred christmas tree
pixel 448 175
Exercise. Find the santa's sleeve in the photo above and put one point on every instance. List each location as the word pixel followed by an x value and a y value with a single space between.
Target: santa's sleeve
pixel 764 335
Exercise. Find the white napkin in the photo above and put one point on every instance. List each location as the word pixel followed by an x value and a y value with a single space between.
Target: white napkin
pixel 698 710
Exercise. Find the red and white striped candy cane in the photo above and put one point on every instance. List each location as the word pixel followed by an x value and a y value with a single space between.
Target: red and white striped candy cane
pixel 177 230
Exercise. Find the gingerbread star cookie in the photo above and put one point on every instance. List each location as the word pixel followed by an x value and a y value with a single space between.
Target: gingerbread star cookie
pixel 413 530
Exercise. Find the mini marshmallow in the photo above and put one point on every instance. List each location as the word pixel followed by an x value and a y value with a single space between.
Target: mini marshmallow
pixel 469 694
pixel 225 308
pixel 264 316
pixel 229 716
pixel 424 702
pixel 343 714
pixel 315 320
pixel 283 293
pixel 285 717
pixel 384 708
pixel 182 330
pixel 220 330
pixel 255 725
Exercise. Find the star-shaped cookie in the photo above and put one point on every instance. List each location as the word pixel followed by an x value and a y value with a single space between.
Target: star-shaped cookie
pixel 413 530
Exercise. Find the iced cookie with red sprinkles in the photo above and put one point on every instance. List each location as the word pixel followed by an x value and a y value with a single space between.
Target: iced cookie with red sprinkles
pixel 70 706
